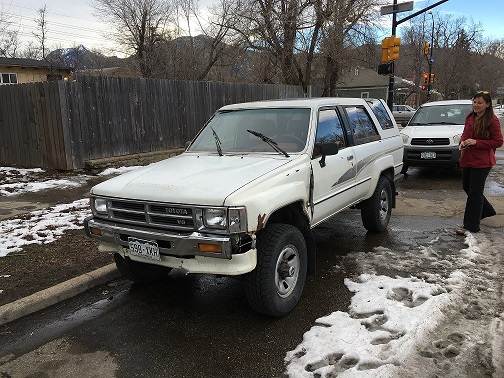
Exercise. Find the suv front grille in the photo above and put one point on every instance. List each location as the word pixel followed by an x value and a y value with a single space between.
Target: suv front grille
pixel 430 142
pixel 169 216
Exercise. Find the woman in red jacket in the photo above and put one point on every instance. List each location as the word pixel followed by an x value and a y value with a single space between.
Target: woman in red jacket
pixel 482 135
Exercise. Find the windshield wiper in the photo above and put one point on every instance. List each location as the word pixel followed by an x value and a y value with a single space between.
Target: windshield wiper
pixel 270 141
pixel 217 142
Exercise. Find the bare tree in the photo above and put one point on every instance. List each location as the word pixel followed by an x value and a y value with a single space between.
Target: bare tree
pixel 41 34
pixel 345 22
pixel 9 41
pixel 296 37
pixel 139 26
pixel 457 45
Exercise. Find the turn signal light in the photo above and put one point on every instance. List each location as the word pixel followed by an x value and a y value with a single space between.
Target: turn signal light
pixel 212 248
pixel 95 231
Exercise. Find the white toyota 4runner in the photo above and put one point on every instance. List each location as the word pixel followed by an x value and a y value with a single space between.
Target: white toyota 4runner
pixel 244 196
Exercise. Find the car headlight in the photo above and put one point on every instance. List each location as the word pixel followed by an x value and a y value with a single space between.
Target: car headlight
pixel 100 205
pixel 215 218
pixel 456 139
pixel 404 138
pixel 232 220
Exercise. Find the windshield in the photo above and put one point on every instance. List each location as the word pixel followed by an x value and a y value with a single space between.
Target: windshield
pixel 453 114
pixel 227 132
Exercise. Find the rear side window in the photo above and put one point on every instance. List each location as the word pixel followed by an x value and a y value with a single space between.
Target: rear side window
pixel 362 125
pixel 382 115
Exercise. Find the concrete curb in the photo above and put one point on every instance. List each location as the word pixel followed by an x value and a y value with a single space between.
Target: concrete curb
pixel 57 293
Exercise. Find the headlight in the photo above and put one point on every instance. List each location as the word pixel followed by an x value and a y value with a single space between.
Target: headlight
pixel 215 218
pixel 456 139
pixel 232 219
pixel 404 138
pixel 100 205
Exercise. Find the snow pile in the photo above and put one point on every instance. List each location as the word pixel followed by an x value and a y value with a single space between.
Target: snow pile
pixel 42 226
pixel 389 319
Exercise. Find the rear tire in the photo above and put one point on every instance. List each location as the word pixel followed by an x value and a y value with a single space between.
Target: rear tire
pixel 274 287
pixel 376 211
pixel 140 272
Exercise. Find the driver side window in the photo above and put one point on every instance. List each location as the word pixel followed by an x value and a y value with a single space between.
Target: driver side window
pixel 329 130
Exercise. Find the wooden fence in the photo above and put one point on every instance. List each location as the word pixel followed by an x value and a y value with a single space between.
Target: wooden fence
pixel 61 125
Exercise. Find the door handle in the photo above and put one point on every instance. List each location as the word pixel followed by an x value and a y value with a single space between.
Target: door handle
pixel 350 157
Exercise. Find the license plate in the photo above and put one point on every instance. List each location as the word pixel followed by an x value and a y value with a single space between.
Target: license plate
pixel 428 155
pixel 144 248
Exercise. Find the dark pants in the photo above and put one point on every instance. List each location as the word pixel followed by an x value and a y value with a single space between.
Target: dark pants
pixel 477 206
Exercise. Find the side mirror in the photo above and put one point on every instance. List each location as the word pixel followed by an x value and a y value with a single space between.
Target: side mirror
pixel 327 149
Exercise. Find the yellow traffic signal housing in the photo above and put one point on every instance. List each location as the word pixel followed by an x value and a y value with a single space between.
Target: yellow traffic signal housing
pixel 431 79
pixel 426 47
pixel 390 49
pixel 385 50
pixel 394 43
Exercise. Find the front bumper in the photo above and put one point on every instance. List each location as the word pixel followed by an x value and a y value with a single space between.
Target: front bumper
pixel 177 250
pixel 445 156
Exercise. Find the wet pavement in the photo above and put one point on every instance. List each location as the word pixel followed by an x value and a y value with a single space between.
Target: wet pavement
pixel 201 326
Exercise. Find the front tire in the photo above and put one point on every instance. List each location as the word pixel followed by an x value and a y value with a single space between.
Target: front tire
pixel 274 287
pixel 376 211
pixel 139 272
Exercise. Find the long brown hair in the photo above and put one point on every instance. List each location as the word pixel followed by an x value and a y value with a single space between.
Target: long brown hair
pixel 481 125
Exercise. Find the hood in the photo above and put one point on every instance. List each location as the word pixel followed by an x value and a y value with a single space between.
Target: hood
pixel 190 178
pixel 433 131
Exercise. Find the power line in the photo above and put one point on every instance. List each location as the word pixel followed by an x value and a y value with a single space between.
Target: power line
pixel 20 18
pixel 36 10
pixel 58 32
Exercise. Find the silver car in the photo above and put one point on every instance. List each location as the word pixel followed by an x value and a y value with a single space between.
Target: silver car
pixel 402 114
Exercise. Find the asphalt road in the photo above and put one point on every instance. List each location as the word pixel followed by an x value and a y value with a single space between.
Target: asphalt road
pixel 201 326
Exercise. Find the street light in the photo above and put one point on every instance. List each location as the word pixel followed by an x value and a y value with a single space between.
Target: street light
pixel 430 58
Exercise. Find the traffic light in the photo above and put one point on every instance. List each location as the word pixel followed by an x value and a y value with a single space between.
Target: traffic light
pixel 431 79
pixel 426 47
pixel 385 50
pixel 385 69
pixel 390 48
pixel 424 87
pixel 426 78
pixel 394 43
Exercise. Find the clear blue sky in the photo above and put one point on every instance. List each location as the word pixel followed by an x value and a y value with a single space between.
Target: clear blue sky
pixel 488 12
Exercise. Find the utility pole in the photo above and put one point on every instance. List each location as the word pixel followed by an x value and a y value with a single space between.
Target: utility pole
pixel 431 59
pixel 397 8
pixel 390 97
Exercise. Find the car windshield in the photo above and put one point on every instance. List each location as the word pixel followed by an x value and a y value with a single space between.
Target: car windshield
pixel 237 131
pixel 453 114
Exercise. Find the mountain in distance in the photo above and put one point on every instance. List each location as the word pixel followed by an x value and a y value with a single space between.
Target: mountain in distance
pixel 80 58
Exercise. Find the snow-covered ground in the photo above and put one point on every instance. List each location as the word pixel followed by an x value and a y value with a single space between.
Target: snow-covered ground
pixel 41 226
pixel 412 326
pixel 393 325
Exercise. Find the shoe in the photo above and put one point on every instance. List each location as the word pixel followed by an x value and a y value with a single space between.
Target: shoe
pixel 460 231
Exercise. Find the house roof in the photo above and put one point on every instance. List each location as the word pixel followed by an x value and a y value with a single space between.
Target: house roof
pixel 34 63
pixel 362 77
